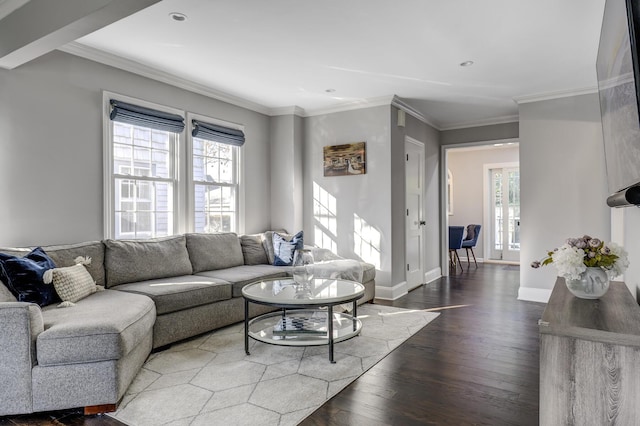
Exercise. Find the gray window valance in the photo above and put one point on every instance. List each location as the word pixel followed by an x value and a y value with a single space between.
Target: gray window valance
pixel 145 117
pixel 215 133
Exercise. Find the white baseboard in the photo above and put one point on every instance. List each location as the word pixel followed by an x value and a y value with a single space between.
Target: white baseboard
pixel 432 275
pixel 534 294
pixel 478 259
pixel 391 293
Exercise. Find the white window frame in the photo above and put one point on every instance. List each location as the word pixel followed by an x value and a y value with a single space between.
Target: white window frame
pixel 239 171
pixel 109 177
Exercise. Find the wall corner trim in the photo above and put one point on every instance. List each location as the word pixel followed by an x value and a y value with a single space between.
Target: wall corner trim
pixel 432 275
pixel 391 293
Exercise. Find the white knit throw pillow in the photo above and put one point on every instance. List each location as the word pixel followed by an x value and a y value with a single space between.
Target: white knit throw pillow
pixel 72 283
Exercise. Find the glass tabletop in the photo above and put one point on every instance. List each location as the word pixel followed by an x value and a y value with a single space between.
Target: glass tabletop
pixel 315 292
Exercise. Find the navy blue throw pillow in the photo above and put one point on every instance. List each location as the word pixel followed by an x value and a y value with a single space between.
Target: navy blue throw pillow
pixel 23 277
pixel 283 250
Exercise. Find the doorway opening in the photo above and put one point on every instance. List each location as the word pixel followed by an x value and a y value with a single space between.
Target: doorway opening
pixel 480 185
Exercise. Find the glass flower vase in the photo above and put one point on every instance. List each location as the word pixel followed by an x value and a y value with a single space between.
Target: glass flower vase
pixel 592 284
pixel 303 266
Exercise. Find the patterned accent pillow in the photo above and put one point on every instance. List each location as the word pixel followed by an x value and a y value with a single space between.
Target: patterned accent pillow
pixel 73 283
pixel 283 249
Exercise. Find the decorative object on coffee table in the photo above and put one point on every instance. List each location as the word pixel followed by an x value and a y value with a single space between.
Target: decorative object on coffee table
pixel 303 266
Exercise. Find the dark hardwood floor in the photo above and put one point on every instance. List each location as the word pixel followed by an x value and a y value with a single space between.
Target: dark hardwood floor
pixel 476 364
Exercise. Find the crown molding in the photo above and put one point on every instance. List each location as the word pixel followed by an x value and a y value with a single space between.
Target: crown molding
pixel 399 103
pixel 537 97
pixel 288 110
pixel 7 7
pixel 485 122
pixel 349 106
pixel 102 57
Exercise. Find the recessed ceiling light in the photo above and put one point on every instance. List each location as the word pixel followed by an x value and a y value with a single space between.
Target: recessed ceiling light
pixel 330 90
pixel 177 16
pixel 466 63
pixel 498 144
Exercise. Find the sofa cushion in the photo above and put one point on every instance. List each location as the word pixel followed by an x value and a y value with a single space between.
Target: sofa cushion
pixel 104 326
pixel 240 276
pixel 214 251
pixel 178 293
pixel 23 276
pixel 284 249
pixel 5 294
pixel 368 272
pixel 65 255
pixel 128 261
pixel 253 250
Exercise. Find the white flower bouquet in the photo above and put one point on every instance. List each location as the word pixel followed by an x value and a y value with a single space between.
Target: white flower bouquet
pixel 578 254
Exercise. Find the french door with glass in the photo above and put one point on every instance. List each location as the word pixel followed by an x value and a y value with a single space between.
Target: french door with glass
pixel 505 214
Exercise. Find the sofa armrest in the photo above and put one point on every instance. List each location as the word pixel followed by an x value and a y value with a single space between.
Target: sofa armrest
pixel 21 325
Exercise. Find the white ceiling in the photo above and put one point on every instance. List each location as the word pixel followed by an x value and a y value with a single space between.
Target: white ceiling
pixel 284 53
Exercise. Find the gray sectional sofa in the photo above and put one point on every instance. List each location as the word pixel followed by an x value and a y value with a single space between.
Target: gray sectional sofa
pixel 158 292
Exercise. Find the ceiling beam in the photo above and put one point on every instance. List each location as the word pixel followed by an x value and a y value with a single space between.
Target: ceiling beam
pixel 40 26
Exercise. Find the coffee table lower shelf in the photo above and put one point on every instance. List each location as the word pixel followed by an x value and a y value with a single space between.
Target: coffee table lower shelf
pixel 303 327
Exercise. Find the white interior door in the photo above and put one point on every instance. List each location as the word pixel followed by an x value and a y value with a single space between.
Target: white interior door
pixel 414 223
pixel 505 214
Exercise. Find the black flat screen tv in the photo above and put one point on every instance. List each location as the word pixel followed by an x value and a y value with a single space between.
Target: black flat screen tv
pixel 619 91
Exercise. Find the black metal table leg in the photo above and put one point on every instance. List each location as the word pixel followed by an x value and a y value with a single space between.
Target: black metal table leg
pixel 246 326
pixel 354 314
pixel 330 329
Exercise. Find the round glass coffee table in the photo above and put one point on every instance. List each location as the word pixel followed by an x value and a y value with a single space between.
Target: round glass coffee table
pixel 305 310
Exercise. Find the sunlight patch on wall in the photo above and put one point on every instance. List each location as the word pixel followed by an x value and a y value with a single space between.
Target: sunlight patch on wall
pixel 325 214
pixel 366 241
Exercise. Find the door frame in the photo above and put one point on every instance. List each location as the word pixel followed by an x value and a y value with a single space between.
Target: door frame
pixel 422 148
pixel 444 217
pixel 486 192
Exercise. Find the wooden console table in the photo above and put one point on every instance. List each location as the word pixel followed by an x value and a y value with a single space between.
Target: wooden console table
pixel 590 359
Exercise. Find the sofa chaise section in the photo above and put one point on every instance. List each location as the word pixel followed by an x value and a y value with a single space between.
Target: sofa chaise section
pixel 56 358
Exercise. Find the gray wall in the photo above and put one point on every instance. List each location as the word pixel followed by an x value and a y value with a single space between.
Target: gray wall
pixel 479 134
pixel 286 138
pixel 563 182
pixel 367 196
pixel 467 167
pixel 429 136
pixel 51 140
pixel 631 242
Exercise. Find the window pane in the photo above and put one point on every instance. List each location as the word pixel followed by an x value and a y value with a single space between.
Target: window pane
pixel 215 206
pixel 161 166
pixel 146 211
pixel 226 171
pixel 160 140
pixel 141 136
pixel 141 154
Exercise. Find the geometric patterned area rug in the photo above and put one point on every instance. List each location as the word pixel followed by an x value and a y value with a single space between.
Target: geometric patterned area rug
pixel 209 380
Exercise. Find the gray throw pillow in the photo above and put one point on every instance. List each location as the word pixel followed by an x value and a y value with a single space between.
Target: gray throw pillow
pixel 253 250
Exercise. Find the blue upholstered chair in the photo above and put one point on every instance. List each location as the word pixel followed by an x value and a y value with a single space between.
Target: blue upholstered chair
pixel 470 241
pixel 455 242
